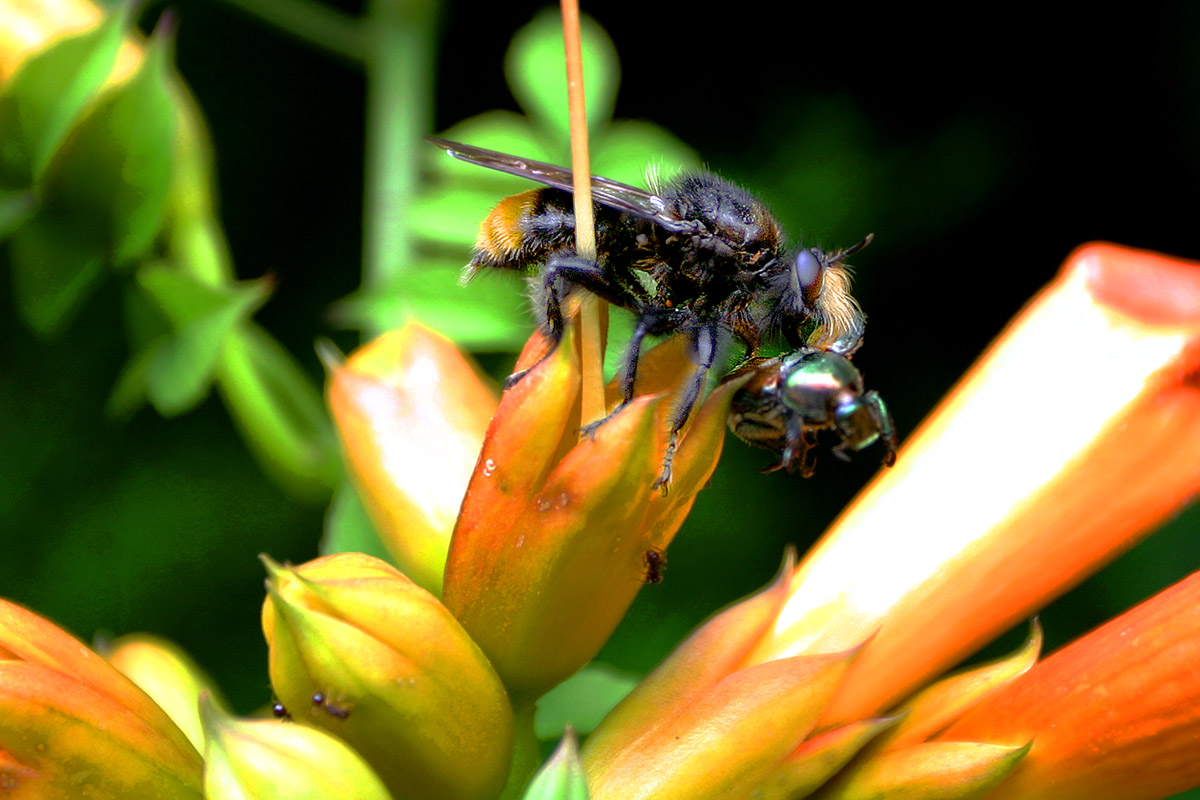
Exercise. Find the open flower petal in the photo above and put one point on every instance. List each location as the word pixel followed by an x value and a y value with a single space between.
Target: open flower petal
pixel 734 735
pixel 818 759
pixel 1114 715
pixel 708 655
pixel 1088 400
pixel 936 706
pixel 937 771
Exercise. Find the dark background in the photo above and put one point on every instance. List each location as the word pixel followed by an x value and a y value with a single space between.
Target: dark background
pixel 980 155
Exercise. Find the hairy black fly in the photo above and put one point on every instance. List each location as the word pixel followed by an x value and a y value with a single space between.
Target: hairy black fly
pixel 698 256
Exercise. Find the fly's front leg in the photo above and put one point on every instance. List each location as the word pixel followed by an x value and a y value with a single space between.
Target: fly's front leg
pixel 702 346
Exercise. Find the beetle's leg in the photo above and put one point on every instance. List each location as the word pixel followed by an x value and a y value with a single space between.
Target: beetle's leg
pixel 883 421
pixel 807 465
pixel 702 346
pixel 796 445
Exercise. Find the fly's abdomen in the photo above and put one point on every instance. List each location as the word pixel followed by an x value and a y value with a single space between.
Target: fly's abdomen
pixel 523 230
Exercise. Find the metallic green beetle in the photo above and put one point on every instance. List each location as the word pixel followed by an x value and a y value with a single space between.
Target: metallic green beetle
pixel 792 397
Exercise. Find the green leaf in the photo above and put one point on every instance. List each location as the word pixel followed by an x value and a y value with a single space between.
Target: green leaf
pixel 280 412
pixel 348 529
pixel 48 94
pixel 16 207
pixel 489 313
pixel 54 271
pixel 452 217
pixel 537 73
pixel 110 178
pixel 183 364
pixel 204 317
pixel 128 394
pixel 582 700
pixel 628 150
pixel 561 778
pixel 183 298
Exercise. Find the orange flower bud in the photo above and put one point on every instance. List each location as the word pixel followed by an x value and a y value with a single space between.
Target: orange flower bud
pixel 360 650
pixel 550 546
pixel 412 411
pixel 71 725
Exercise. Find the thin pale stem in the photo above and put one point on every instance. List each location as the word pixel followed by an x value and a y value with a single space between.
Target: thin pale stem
pixel 590 319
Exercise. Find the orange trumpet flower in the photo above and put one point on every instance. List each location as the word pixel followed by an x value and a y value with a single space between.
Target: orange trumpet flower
pixel 968 534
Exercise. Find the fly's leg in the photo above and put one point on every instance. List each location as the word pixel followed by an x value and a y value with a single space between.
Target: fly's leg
pixel 702 346
pixel 562 272
pixel 633 353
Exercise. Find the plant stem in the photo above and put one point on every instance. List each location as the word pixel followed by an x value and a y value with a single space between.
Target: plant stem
pixel 591 311
pixel 399 69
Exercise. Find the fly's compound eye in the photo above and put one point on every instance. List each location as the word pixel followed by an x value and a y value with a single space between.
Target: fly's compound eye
pixel 807 276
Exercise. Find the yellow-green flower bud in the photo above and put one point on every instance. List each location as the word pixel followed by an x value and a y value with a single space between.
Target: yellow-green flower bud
pixel 360 650
pixel 272 760
pixel 167 674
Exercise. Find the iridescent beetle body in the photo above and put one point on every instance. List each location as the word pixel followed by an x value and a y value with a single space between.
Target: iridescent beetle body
pixel 791 398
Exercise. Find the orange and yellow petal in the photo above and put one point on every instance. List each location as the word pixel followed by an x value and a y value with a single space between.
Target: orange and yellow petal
pixel 1088 400
pixel 412 412
pixel 1115 715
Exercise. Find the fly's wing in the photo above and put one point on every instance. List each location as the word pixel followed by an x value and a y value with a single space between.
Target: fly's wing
pixel 613 194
